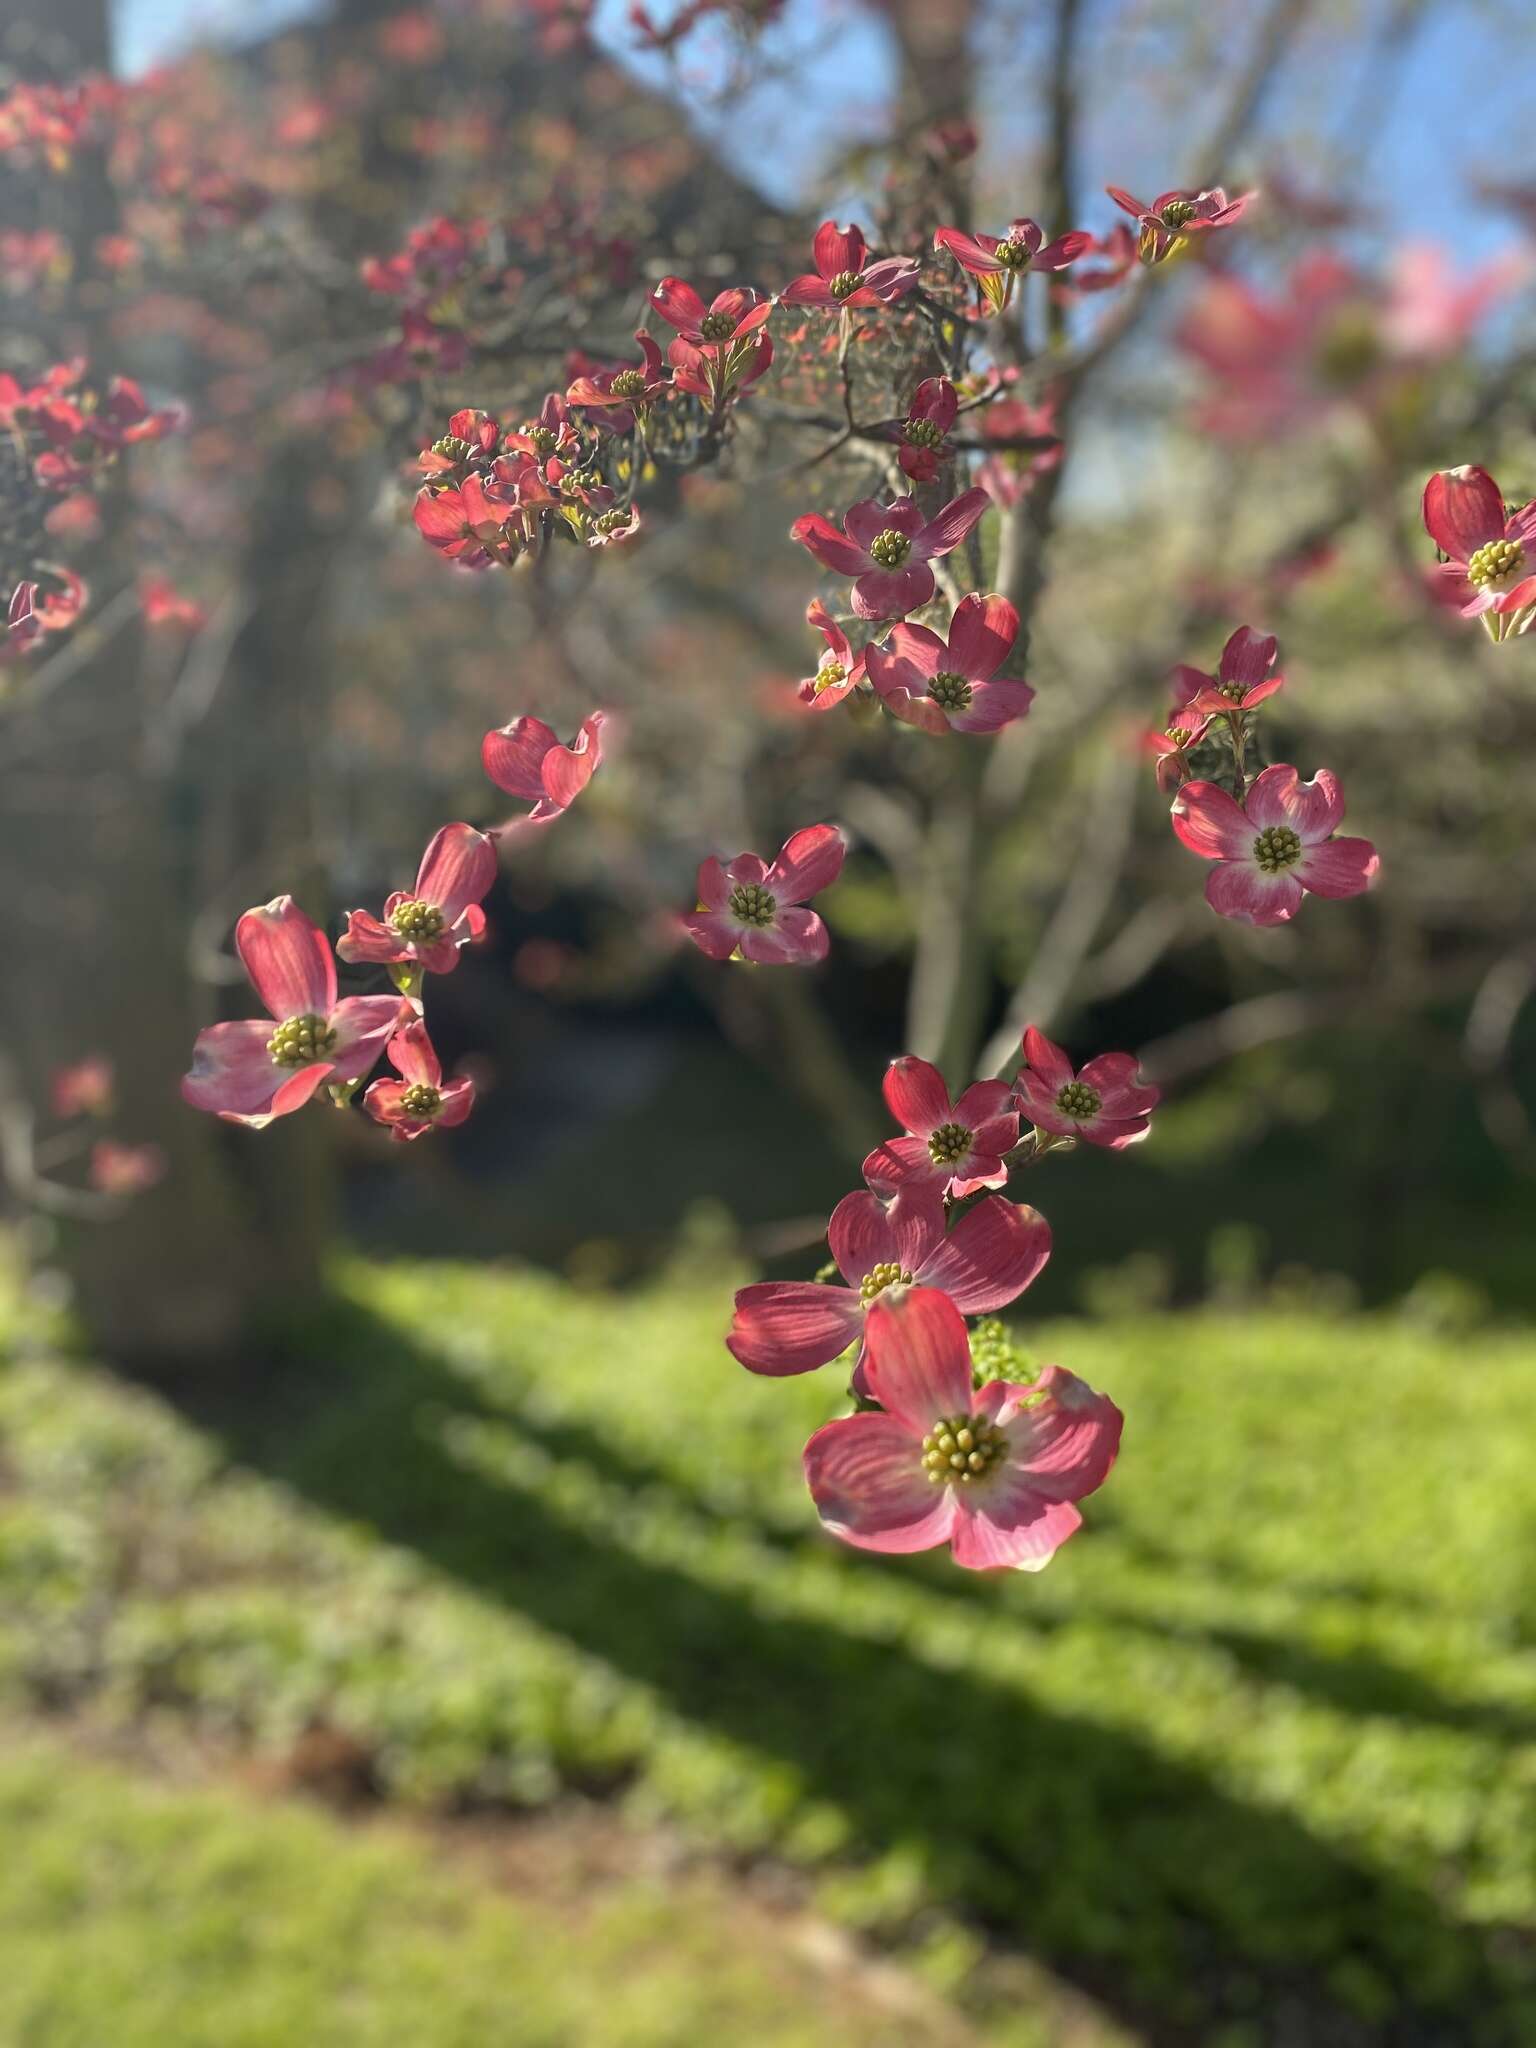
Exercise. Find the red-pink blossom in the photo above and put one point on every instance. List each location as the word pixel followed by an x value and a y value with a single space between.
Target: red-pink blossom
pixel 1011 473
pixel 624 390
pixel 1174 217
pixel 1275 846
pixel 953 685
pixel 249 1073
pixel 887 549
pixel 549 433
pixel 840 671
pixel 1244 676
pixel 122 1170
pixel 470 442
pixel 426 926
pixel 746 906
pixel 729 318
pixel 992 1471
pixel 995 261
pixel 922 433
pixel 1492 565
pixel 85 1089
pixel 1107 1103
pixel 844 275
pixel 466 525
pixel 1118 249
pixel 164 605
pixel 718 374
pixel 421 1100
pixel 994 1252
pixel 954 1148
pixel 527 760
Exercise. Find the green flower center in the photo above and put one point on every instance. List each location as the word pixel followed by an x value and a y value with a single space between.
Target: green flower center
pixel 414 919
pixel 1494 561
pixel 878 1278
pixel 1234 691
pixel 923 434
pixel 1012 255
pixel 1078 1100
pixel 960 1449
pixel 1177 212
pixel 582 479
pixel 421 1099
pixel 544 439
pixel 845 284
pixel 300 1041
pixel 628 384
pixel 828 675
pixel 609 522
pixel 948 1143
pixel 953 691
pixel 1276 847
pixel 717 327
pixel 751 903
pixel 1180 735
pixel 890 549
pixel 452 449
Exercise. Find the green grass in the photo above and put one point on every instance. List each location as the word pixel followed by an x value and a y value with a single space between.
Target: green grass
pixel 156 1918
pixel 1261 1741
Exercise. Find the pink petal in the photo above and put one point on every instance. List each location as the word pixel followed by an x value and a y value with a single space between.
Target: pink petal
pixel 288 958
pixel 917 1357
pixel 976 256
pixel 1247 657
pixel 809 861
pixel 1037 1102
pixel 1210 823
pixel 915 648
pixel 981 636
pixel 713 931
pixel 413 1056
pixel 898 1163
pixel 796 938
pixel 1240 889
pixel 1067 1443
pixel 363 1026
pixel 1338 867
pixel 809 291
pixel 949 527
pixel 993 1253
pixel 1064 250
pixel 892 593
pixel 838 249
pixel 832 549
pixel 789 1326
pixel 678 303
pixel 566 771
pixel 1126 201
pixel 232 1073
pixel 916 1096
pixel 458 1101
pixel 994 705
pixel 915 707
pixel 1280 797
pixel 861 1235
pixel 1115 1077
pixel 886 281
pixel 513 754
pixel 1007 1526
pixel 456 870
pixel 982 1104
pixel 1463 509
pixel 1047 1060
pixel 366 940
pixel 866 1476
pixel 869 518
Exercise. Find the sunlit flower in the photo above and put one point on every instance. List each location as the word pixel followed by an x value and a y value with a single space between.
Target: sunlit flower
pixel 844 275
pixel 952 1147
pixel 922 434
pixel 421 1100
pixel 887 549
pixel 953 685
pixel 995 261
pixel 527 760
pixel 426 926
pixel 1492 565
pixel 748 907
pixel 1173 218
pixel 1275 846
pixel 840 669
pixel 1107 1102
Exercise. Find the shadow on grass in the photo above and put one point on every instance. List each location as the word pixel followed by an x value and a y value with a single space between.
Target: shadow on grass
pixel 1133 1874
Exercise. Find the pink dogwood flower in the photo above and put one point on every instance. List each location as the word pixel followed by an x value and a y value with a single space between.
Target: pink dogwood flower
pixel 466 525
pixel 625 390
pixel 953 685
pixel 922 433
pixel 424 928
pixel 840 670
pixel 1243 676
pixel 1275 846
pixel 122 1170
pixel 995 261
pixel 87 1088
pixel 527 760
pixel 420 1101
pixel 952 1148
pixel 748 907
pixel 991 1471
pixel 887 549
pixel 993 1253
pixel 1492 566
pixel 248 1072
pixel 844 275
pixel 730 317
pixel 1168 224
pixel 1107 1102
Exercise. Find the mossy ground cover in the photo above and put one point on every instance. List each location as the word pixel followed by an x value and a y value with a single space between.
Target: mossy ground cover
pixel 1253 1761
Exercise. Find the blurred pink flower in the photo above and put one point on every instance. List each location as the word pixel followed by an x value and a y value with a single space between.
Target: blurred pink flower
pixel 123 1170
pixel 85 1089
pixel 922 433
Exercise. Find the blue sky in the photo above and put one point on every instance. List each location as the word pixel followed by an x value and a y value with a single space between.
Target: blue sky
pixel 1463 105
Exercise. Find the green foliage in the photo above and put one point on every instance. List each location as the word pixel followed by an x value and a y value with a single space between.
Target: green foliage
pixel 1262 1730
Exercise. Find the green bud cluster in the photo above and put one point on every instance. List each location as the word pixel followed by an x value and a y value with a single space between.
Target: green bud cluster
pixel 1494 561
pixel 717 327
pixel 628 384
pixel 611 520
pixel 845 284
pixel 300 1041
pixel 421 1099
pixel 545 440
pixel 960 1449
pixel 923 434
pixel 751 902
pixel 1012 255
pixel 1078 1100
pixel 831 672
pixel 878 1278
pixel 452 449
pixel 1276 847
pixel 952 691
pixel 948 1143
pixel 890 549
pixel 1177 212
pixel 416 920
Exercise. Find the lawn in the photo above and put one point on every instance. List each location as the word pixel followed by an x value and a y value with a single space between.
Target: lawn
pixel 1254 1761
